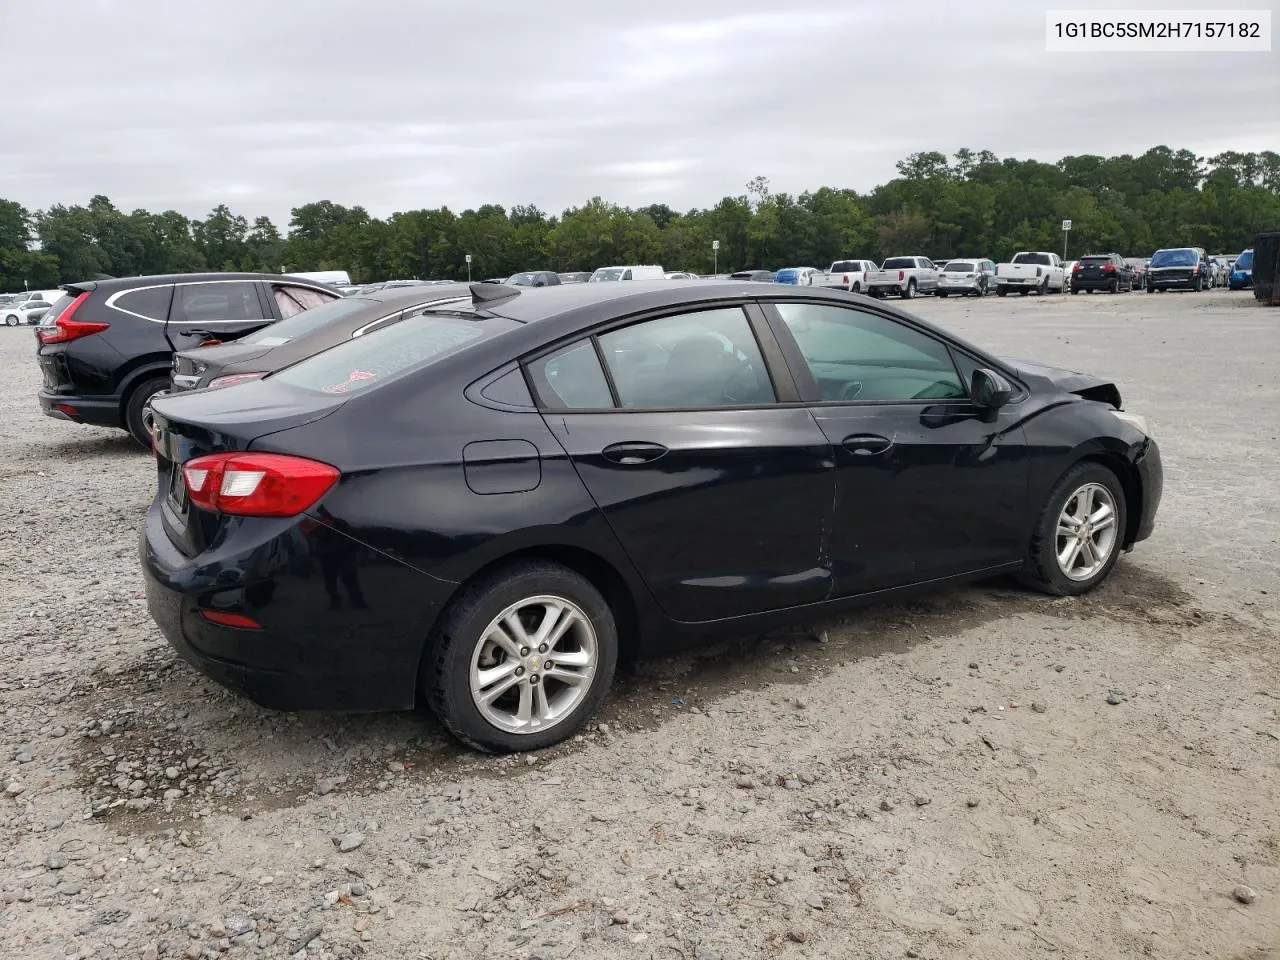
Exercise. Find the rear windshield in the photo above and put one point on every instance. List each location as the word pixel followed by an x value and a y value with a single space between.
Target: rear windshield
pixel 959 266
pixel 1039 259
pixel 50 318
pixel 899 263
pixel 1245 260
pixel 846 266
pixel 1175 258
pixel 606 273
pixel 355 365
pixel 1095 259
pixel 301 324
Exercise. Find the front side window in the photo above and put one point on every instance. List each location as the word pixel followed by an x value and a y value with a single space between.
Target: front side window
pixel 705 359
pixel 213 302
pixel 859 356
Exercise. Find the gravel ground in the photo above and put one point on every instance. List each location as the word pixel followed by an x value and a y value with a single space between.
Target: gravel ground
pixel 983 773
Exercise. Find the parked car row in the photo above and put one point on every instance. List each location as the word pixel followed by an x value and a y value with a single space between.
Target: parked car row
pixel 482 496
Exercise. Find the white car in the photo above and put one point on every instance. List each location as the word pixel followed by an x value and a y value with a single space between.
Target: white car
pixel 1039 271
pixel 26 312
pixel 630 272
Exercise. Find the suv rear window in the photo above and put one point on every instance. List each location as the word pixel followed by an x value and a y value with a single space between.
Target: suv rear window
pixel 1095 259
pixel 149 302
pixel 959 266
pixel 355 365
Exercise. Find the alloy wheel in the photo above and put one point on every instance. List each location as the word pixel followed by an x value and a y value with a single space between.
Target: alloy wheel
pixel 1087 534
pixel 533 664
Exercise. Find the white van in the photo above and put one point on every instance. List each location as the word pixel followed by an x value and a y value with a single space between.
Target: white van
pixel 649 272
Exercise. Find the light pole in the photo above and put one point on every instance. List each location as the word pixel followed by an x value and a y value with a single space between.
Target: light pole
pixel 468 268
pixel 1066 229
pixel 715 258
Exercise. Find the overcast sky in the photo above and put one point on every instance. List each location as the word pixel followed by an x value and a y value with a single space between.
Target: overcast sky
pixel 264 105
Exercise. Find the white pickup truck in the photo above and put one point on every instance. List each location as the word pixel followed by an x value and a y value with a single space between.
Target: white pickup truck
pixel 1031 270
pixel 846 275
pixel 903 277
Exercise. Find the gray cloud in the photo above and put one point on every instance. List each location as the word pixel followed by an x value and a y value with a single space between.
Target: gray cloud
pixel 399 105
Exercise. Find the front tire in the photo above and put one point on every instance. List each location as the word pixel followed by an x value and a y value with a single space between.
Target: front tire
pixel 137 418
pixel 1002 291
pixel 522 659
pixel 1079 534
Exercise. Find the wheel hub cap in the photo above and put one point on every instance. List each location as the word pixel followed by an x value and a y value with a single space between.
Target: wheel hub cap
pixel 533 664
pixel 1086 533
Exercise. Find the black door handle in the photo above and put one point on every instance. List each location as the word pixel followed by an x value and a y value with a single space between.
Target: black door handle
pixel 865 444
pixel 633 451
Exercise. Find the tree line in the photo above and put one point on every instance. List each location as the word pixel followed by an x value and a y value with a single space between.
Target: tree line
pixel 971 204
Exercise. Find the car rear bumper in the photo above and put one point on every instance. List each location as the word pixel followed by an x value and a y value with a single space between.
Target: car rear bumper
pixel 1151 476
pixel 332 637
pixel 1093 283
pixel 97 411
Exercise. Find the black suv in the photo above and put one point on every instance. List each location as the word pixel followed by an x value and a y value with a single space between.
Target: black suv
pixel 106 346
pixel 1102 271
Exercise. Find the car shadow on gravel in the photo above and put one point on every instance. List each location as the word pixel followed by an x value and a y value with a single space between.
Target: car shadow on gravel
pixel 113 445
pixel 161 746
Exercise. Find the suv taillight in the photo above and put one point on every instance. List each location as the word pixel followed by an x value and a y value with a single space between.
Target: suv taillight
pixel 1109 268
pixel 257 484
pixel 66 328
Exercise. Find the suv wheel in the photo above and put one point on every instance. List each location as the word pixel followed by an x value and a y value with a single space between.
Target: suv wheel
pixel 137 413
pixel 522 659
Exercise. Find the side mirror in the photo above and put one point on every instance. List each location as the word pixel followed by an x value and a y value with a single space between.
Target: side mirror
pixel 990 390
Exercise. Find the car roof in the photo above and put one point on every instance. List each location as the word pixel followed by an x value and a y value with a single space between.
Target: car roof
pixel 125 283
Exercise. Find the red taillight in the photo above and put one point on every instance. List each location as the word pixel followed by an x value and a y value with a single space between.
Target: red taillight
pixel 237 620
pixel 1077 268
pixel 1109 268
pixel 66 408
pixel 902 274
pixel 845 278
pixel 233 378
pixel 65 328
pixel 256 484
pixel 865 273
pixel 1196 270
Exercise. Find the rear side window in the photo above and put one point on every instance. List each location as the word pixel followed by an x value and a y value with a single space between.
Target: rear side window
pixel 355 365
pixel 214 302
pixel 705 359
pixel 150 303
pixel 571 379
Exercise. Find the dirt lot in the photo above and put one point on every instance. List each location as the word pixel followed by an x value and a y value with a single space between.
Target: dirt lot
pixel 985 773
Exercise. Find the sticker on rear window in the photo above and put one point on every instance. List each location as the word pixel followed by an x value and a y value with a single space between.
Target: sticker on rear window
pixel 354 377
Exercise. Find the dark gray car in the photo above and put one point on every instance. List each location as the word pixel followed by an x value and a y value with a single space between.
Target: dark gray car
pixel 304 335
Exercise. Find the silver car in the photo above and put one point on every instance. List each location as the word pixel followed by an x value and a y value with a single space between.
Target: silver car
pixel 968 277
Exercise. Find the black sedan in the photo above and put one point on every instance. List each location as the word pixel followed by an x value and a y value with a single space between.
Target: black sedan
pixel 304 334
pixel 485 509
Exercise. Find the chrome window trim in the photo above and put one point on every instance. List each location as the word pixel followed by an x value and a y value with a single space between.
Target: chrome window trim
pixel 111 300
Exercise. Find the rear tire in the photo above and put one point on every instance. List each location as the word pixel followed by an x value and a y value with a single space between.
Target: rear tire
pixel 1002 291
pixel 1044 288
pixel 11 320
pixel 942 294
pixel 856 288
pixel 1114 288
pixel 136 418
pixel 1053 536
pixel 910 292
pixel 462 647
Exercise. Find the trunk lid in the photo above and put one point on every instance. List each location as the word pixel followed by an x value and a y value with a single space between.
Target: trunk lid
pixel 190 425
